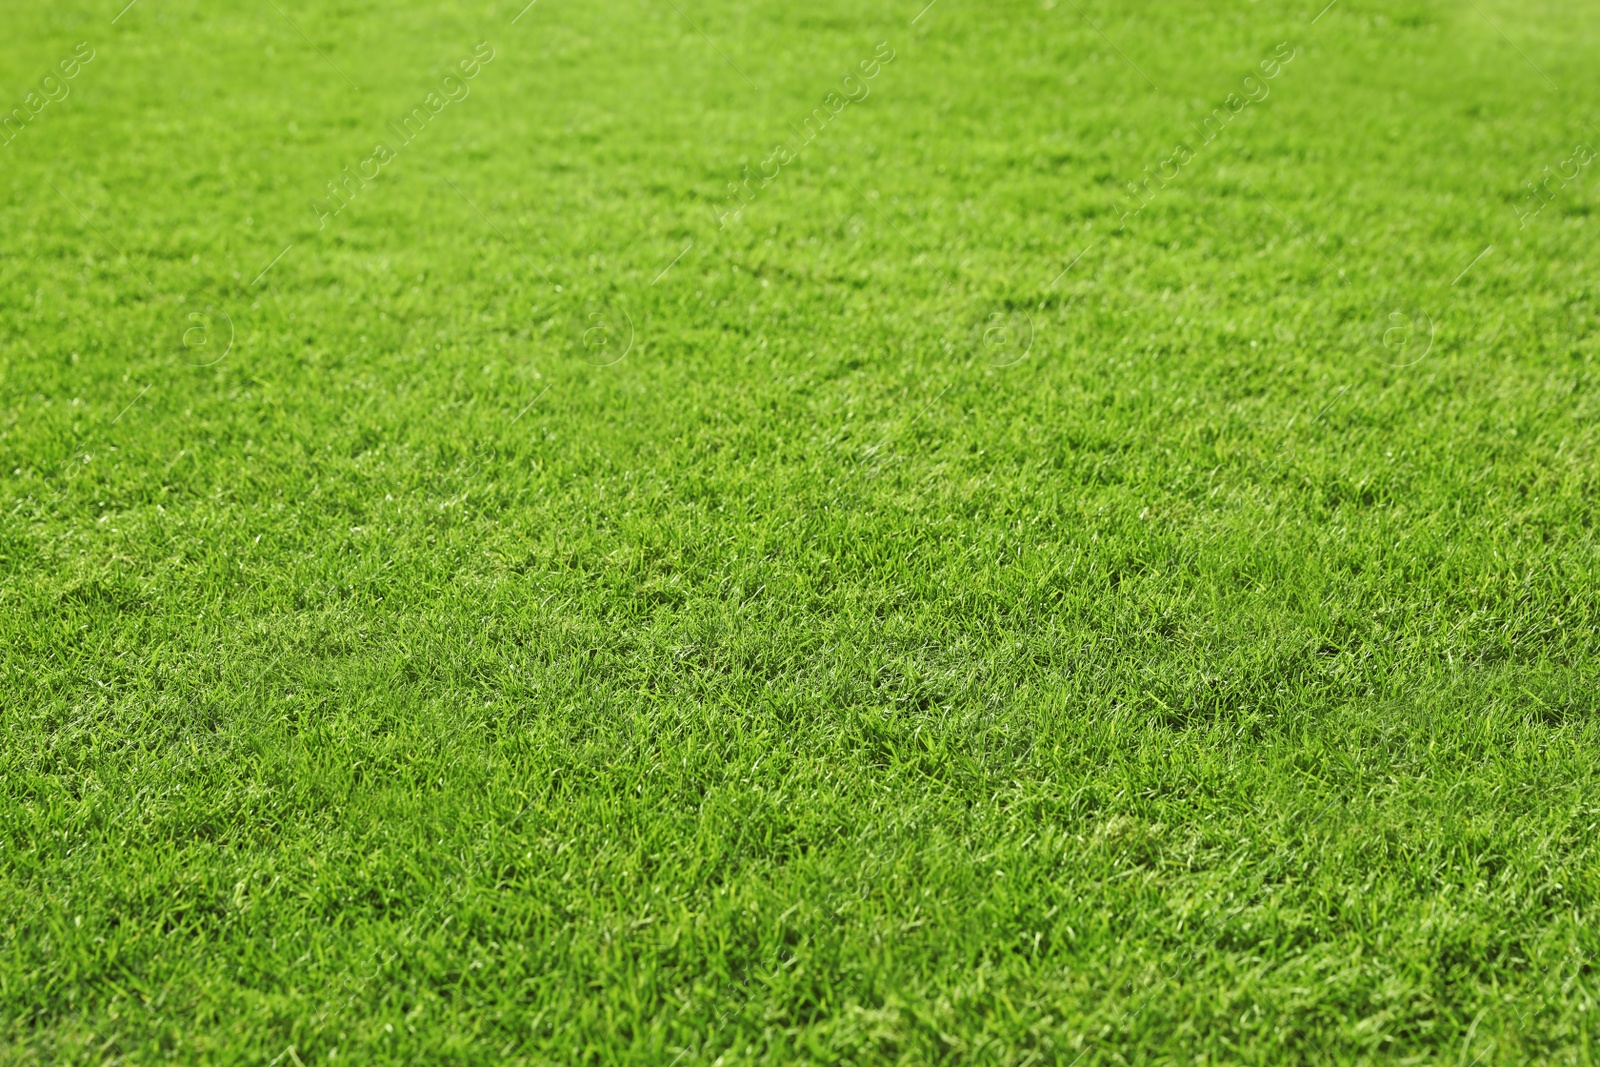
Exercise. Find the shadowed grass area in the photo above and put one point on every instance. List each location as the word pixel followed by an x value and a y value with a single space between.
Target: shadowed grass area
pixel 740 537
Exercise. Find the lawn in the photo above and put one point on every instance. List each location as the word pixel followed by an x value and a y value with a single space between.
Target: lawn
pixel 677 532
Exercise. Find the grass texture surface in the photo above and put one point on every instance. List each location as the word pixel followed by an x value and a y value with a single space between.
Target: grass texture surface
pixel 683 532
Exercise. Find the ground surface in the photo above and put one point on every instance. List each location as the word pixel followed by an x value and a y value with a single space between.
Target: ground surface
pixel 874 644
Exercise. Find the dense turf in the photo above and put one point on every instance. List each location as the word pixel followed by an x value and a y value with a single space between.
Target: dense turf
pixel 873 644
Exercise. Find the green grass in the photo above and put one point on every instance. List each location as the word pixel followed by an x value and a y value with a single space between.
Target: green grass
pixel 1172 677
